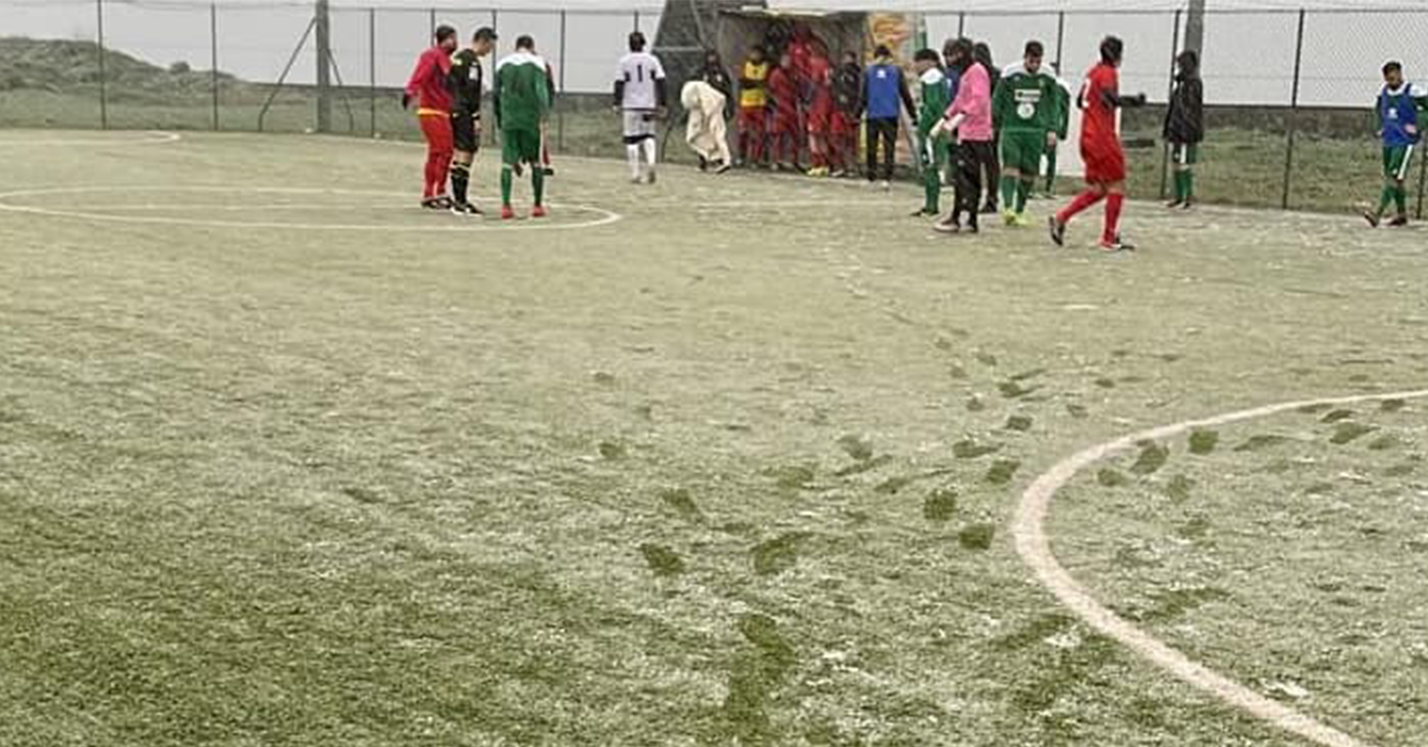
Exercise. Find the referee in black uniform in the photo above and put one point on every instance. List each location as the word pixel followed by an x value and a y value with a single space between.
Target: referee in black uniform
pixel 466 84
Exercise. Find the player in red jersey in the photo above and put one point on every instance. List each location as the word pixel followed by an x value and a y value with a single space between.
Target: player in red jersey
pixel 428 88
pixel 1101 150
pixel 820 112
pixel 783 103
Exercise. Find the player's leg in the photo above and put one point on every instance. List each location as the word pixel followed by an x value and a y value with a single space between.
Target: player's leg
pixel 632 145
pixel 870 146
pixel 530 148
pixel 445 151
pixel 1028 167
pixel 510 157
pixel 992 172
pixel 463 128
pixel 430 130
pixel 890 131
pixel 1050 184
pixel 1115 204
pixel 1400 189
pixel 1010 176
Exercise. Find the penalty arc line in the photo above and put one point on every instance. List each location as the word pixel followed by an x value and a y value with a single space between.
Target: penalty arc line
pixel 1034 547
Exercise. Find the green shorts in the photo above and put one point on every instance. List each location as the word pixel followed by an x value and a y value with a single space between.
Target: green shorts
pixel 1021 151
pixel 1184 154
pixel 520 146
pixel 1396 161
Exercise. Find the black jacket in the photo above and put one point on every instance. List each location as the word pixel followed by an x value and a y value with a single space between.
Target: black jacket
pixel 848 90
pixel 717 77
pixel 1185 120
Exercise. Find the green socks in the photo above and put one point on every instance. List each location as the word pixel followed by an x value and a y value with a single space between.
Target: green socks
pixel 507 180
pixel 1184 185
pixel 1051 170
pixel 932 188
pixel 1400 199
pixel 1009 190
pixel 1023 193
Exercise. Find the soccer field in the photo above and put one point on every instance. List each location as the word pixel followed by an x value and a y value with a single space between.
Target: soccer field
pixel 733 461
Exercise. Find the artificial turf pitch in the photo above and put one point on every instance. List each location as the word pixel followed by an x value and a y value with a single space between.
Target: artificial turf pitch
pixel 726 461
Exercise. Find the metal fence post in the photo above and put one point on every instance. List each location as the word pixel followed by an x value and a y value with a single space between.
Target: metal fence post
pixel 1422 182
pixel 213 58
pixel 372 66
pixel 1165 148
pixel 492 134
pixel 431 21
pixel 103 82
pixel 562 101
pixel 1293 122
pixel 1060 40
pixel 637 20
pixel 961 24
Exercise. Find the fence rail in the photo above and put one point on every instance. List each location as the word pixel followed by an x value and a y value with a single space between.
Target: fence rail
pixel 1288 90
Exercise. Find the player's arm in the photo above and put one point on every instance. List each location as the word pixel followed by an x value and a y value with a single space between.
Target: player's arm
pixel 426 65
pixel 1000 100
pixel 906 96
pixel 496 96
pixel 661 86
pixel 1113 99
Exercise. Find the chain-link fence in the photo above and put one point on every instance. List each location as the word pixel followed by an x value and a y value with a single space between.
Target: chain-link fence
pixel 1288 92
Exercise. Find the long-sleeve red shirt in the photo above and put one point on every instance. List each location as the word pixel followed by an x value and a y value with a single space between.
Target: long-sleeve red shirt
pixel 428 82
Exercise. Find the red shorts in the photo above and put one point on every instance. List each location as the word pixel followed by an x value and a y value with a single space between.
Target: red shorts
pixel 753 119
pixel 1105 162
pixel 436 128
pixel 841 124
pixel 820 116
pixel 784 122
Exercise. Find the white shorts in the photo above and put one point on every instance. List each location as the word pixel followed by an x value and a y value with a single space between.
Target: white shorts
pixel 639 125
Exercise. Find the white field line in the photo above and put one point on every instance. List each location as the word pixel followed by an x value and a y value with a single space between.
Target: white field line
pixel 602 216
pixel 155 137
pixel 1034 547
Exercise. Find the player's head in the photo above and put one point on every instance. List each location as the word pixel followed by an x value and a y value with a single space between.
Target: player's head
pixel 756 53
pixel 445 38
pixel 1393 74
pixel 1113 50
pixel 1189 63
pixel 925 60
pixel 850 58
pixel 484 40
pixel 711 58
pixel 882 52
pixel 525 43
pixel 1032 57
pixel 637 42
pixel 982 53
pixel 959 55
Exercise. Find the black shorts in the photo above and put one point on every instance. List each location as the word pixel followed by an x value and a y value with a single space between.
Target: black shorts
pixel 463 127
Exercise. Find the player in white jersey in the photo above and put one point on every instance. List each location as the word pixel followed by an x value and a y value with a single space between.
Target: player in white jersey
pixel 640 96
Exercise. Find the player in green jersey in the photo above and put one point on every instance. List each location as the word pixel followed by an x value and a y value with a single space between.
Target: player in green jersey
pixel 522 106
pixel 934 98
pixel 1026 110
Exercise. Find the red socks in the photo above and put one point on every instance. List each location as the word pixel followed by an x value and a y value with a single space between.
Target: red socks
pixel 1079 205
pixel 1114 203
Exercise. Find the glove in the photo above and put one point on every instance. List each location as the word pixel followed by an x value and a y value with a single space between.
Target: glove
pixel 1138 100
pixel 406 100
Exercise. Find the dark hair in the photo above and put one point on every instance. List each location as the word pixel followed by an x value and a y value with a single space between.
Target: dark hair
pixel 882 51
pixel 525 42
pixel 982 53
pixel 1035 49
pixel 637 42
pixel 485 33
pixel 927 55
pixel 1112 49
pixel 960 50
pixel 1393 66
pixel 444 32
